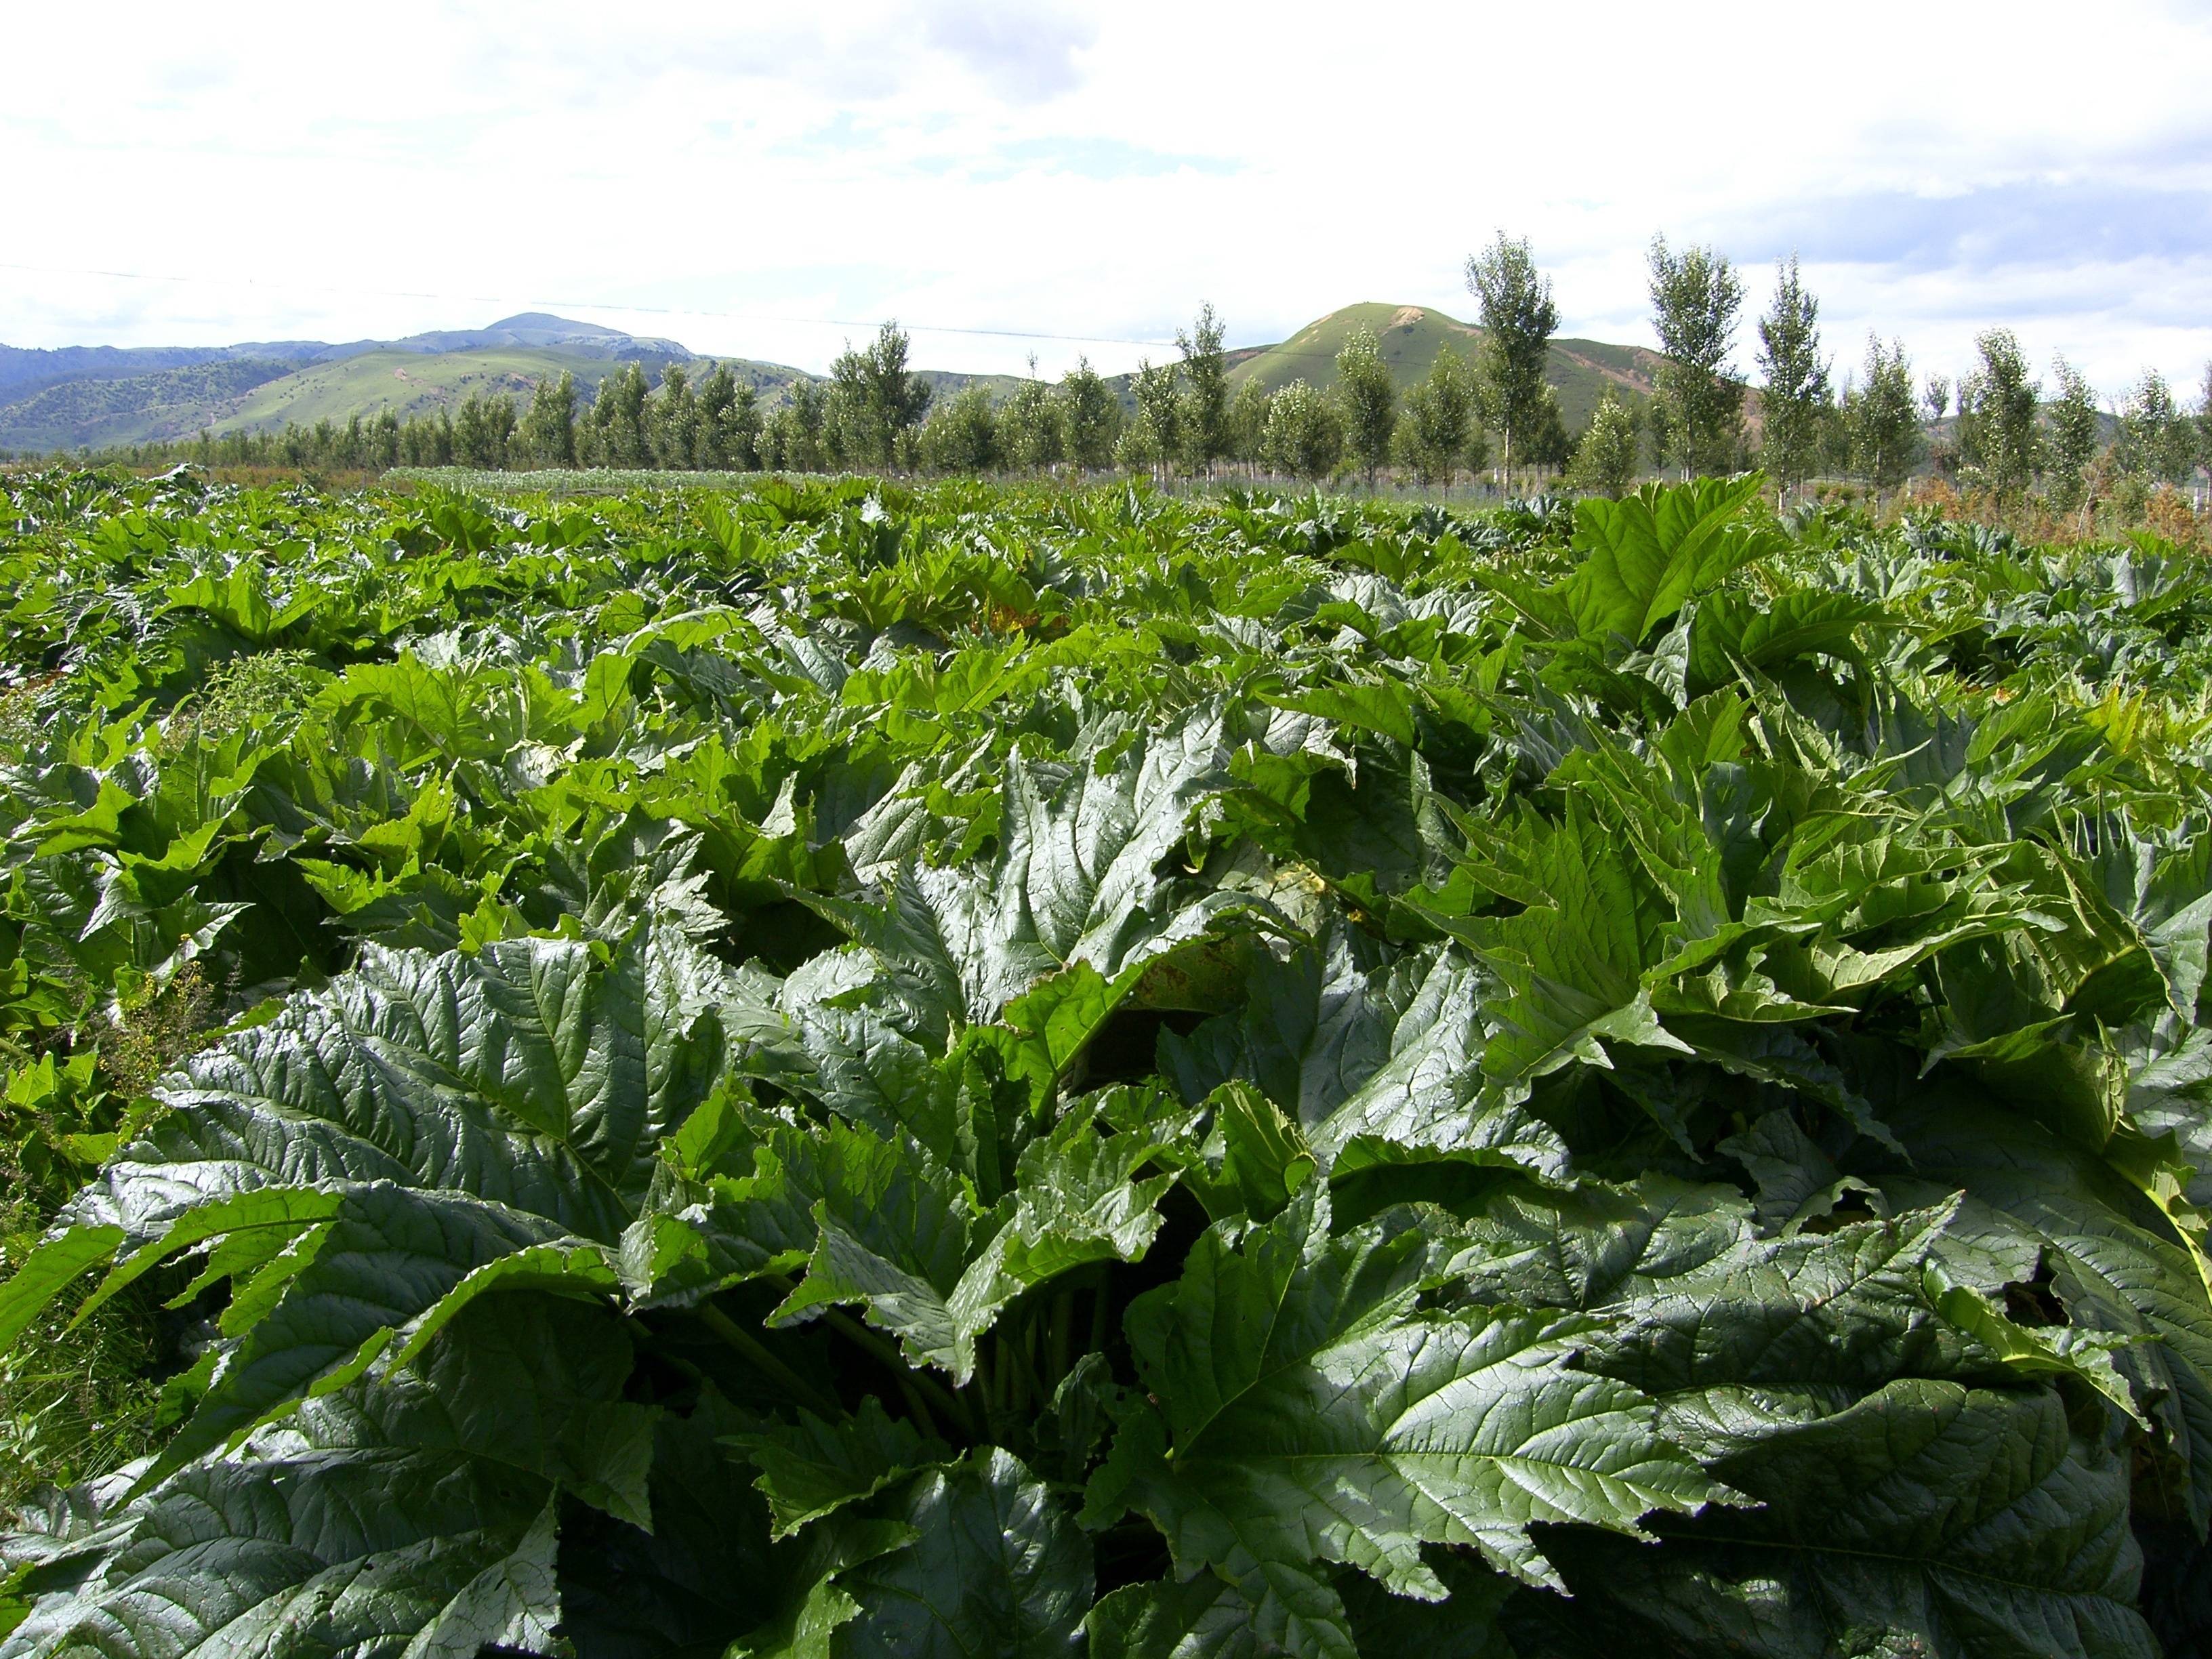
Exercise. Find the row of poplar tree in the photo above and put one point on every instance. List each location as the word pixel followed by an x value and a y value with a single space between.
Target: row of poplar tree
pixel 1496 411
pixel 1995 428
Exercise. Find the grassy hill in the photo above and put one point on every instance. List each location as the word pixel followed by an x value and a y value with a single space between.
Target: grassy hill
pixel 166 402
pixel 1410 337
pixel 946 383
pixel 409 383
pixel 95 397
pixel 254 395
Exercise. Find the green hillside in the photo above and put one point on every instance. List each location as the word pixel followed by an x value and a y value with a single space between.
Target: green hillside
pixel 166 402
pixel 1410 337
pixel 945 383
pixel 409 383
pixel 255 395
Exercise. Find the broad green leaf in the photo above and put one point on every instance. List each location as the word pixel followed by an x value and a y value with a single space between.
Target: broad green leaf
pixel 1832 1378
pixel 1078 1199
pixel 1369 1059
pixel 1646 556
pixel 1930 1517
pixel 696 1235
pixel 1384 709
pixel 1208 1616
pixel 414 1516
pixel 2166 893
pixel 1798 1182
pixel 997 1566
pixel 1772 631
pixel 1314 1413
pixel 705 1570
pixel 526 1076
pixel 391 1265
pixel 1571 962
pixel 1253 1158
pixel 900 1246
pixel 812 1468
pixel 1211 1616
pixel 2061 1351
pixel 807 1627
pixel 1592 1246
pixel 56 1263
pixel 2116 1265
pixel 1074 880
pixel 1799 1319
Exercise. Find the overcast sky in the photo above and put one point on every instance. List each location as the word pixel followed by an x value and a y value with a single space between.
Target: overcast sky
pixel 768 179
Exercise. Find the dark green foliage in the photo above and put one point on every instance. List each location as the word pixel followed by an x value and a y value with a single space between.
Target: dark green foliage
pixel 842 1070
pixel 547 434
pixel 1090 419
pixel 874 399
pixel 1031 432
pixel 1519 322
pixel 2075 435
pixel 672 426
pixel 1605 460
pixel 963 434
pixel 1369 401
pixel 1883 417
pixel 619 431
pixel 1695 298
pixel 1202 424
pixel 1304 433
pixel 1438 434
pixel 484 431
pixel 1794 402
pixel 1153 439
pixel 1999 440
pixel 2157 440
pixel 795 437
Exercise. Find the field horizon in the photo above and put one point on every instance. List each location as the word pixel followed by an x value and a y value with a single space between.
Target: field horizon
pixel 94 397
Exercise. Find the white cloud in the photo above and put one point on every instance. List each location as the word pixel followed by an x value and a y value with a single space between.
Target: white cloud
pixel 704 171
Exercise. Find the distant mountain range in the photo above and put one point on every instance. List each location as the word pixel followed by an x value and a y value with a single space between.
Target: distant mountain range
pixel 78 397
pixel 24 371
pixel 102 397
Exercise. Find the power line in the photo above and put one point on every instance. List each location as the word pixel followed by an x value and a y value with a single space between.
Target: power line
pixel 1278 350
pixel 581 304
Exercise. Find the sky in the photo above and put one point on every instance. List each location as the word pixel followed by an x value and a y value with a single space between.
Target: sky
pixel 1010 177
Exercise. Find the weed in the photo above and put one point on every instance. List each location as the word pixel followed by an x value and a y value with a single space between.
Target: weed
pixel 75 1402
pixel 267 689
pixel 155 1029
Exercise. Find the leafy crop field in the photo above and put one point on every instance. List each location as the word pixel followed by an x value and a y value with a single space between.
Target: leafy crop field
pixel 840 1070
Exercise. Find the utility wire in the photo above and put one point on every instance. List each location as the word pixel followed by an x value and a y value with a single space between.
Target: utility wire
pixel 1273 349
pixel 582 305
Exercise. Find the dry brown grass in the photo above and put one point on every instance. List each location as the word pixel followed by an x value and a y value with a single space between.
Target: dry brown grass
pixel 2108 514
